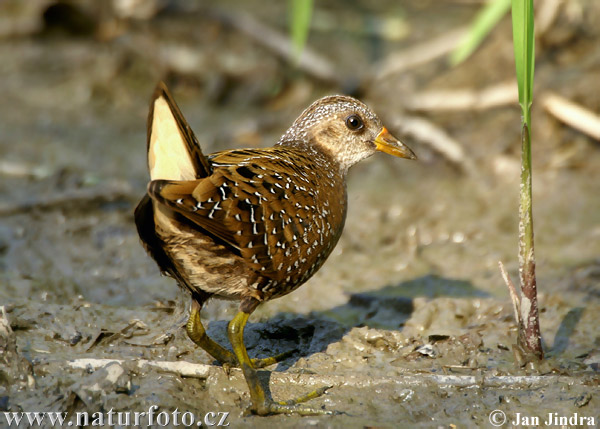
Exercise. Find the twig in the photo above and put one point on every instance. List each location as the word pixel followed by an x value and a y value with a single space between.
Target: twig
pixel 15 169
pixel 437 138
pixel 547 13
pixel 310 62
pixel 514 295
pixel 5 329
pixel 420 54
pixel 494 96
pixel 573 114
pixel 182 368
pixel 186 369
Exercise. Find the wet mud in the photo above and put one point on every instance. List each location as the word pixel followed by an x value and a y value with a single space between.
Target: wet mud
pixel 409 321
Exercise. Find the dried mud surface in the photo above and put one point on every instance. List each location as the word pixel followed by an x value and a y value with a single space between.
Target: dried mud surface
pixel 409 321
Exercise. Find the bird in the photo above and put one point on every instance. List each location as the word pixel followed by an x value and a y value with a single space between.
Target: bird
pixel 252 225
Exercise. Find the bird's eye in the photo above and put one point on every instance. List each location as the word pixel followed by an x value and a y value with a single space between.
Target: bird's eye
pixel 354 123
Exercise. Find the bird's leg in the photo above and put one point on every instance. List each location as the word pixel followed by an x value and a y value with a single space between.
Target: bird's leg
pixel 261 403
pixel 197 334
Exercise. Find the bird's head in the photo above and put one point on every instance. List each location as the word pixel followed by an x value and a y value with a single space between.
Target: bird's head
pixel 346 129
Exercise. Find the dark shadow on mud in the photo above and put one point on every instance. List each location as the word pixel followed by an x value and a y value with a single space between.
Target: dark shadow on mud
pixel 566 330
pixel 387 308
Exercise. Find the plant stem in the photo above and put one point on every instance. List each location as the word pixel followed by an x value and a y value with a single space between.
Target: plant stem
pixel 530 339
pixel 524 46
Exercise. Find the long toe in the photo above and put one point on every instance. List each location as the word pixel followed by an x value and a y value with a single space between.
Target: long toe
pixel 264 362
pixel 271 407
pixel 293 406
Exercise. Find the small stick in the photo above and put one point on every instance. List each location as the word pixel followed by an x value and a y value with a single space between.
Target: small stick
pixel 420 54
pixel 310 62
pixel 187 369
pixel 182 368
pixel 573 115
pixel 514 295
pixel 547 12
pixel 15 169
pixel 499 95
pixel 429 133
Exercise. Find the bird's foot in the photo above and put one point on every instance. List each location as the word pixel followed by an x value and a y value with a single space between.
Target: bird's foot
pixel 257 363
pixel 261 363
pixel 293 406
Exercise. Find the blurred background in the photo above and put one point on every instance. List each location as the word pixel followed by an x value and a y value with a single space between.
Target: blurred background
pixel 75 82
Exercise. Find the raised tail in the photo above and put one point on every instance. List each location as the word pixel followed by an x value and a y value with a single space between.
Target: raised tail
pixel 173 150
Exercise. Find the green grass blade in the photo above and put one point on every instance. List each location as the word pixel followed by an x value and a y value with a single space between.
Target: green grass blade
pixel 484 22
pixel 300 16
pixel 524 45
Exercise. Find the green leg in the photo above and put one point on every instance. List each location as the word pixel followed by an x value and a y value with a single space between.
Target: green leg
pixel 261 404
pixel 197 334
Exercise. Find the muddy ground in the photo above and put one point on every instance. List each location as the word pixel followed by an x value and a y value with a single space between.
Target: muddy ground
pixel 409 321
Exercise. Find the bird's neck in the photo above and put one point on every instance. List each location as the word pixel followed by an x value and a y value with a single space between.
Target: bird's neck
pixel 316 152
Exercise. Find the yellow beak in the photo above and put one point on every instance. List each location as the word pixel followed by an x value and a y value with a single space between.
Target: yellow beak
pixel 389 144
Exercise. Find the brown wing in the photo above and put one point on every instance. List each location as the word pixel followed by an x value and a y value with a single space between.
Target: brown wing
pixel 263 205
